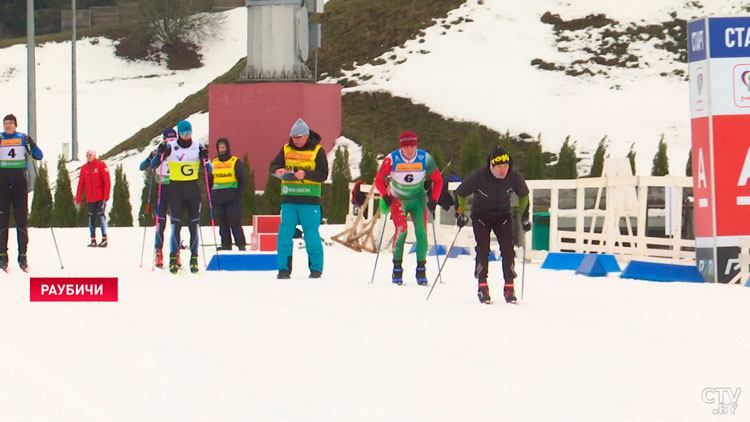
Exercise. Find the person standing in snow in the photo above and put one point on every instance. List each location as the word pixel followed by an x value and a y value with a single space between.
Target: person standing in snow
pixel 400 181
pixel 94 181
pixel 161 175
pixel 492 186
pixel 227 184
pixel 14 192
pixel 184 158
pixel 302 166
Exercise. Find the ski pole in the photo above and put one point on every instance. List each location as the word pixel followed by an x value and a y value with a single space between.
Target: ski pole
pixel 148 207
pixel 211 209
pixel 437 247
pixel 158 208
pixel 523 268
pixel 380 244
pixel 447 254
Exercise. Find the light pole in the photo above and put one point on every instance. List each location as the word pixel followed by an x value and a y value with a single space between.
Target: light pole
pixel 74 90
pixel 30 85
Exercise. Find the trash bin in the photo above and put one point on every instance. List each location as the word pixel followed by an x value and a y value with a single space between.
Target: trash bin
pixel 540 231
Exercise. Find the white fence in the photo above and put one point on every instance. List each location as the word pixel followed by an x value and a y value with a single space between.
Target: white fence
pixel 591 215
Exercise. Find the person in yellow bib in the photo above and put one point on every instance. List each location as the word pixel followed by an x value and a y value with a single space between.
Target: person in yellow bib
pixel 184 158
pixel 227 184
pixel 302 166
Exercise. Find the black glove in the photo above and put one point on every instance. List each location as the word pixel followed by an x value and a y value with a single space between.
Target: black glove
pixel 151 155
pixel 431 205
pixel 461 219
pixel 203 154
pixel 162 148
pixel 526 225
pixel 388 200
pixel 29 141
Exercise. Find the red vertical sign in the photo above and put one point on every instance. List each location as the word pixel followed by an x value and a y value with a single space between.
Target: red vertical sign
pixel 732 161
pixel 702 178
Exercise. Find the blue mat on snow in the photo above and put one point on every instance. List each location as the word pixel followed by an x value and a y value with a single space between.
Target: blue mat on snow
pixel 248 261
pixel 592 266
pixel 652 271
pixel 571 261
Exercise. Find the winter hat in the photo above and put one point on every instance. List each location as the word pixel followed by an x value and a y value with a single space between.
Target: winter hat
pixel 407 139
pixel 500 156
pixel 91 152
pixel 169 134
pixel 299 128
pixel 224 141
pixel 12 118
pixel 184 128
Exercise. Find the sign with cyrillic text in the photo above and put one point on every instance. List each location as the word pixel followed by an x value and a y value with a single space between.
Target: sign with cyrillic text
pixel 73 289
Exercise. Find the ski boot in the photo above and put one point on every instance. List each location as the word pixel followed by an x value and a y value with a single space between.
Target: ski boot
pixel 103 243
pixel 193 264
pixel 315 274
pixel 510 293
pixel 174 264
pixel 4 261
pixel 284 275
pixel 23 262
pixel 93 242
pixel 397 277
pixel 159 259
pixel 483 293
pixel 421 273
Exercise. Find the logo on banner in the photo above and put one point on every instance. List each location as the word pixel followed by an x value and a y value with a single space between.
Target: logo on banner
pixel 702 182
pixel 742 85
pixel 699 81
pixel 744 180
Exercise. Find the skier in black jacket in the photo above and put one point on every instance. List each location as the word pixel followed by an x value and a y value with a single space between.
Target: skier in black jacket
pixel 492 186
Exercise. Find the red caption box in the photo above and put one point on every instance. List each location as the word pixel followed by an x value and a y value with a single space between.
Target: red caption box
pixel 73 289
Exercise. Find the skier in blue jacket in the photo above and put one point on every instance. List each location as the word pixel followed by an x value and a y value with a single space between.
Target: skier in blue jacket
pixel 14 147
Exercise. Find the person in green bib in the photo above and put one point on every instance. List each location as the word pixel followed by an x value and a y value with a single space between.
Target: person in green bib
pixel 302 166
pixel 227 184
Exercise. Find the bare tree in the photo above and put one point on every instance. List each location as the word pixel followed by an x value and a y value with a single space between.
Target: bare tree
pixel 180 22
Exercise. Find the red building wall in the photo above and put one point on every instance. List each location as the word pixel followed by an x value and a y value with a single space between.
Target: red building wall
pixel 256 118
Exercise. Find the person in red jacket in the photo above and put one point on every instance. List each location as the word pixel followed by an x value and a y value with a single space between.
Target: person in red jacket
pixel 94 182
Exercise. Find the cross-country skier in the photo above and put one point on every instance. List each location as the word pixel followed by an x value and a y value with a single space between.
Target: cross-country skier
pixel 14 147
pixel 492 186
pixel 184 158
pixel 161 175
pixel 400 181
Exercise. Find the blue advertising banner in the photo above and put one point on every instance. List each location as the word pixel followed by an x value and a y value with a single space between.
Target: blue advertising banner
pixel 729 37
pixel 697 40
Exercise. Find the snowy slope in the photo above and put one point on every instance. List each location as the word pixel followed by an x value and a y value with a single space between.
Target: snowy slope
pixel 480 70
pixel 245 346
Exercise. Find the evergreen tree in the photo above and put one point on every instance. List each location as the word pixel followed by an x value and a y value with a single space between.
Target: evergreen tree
pixel 567 161
pixel 272 196
pixel 689 165
pixel 471 157
pixel 148 220
pixel 631 157
pixel 661 161
pixel 121 214
pixel 63 210
pixel 248 196
pixel 82 215
pixel 340 177
pixel 41 205
pixel 368 166
pixel 533 168
pixel 598 165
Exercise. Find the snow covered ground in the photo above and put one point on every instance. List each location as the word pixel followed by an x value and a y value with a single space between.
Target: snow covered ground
pixel 245 346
